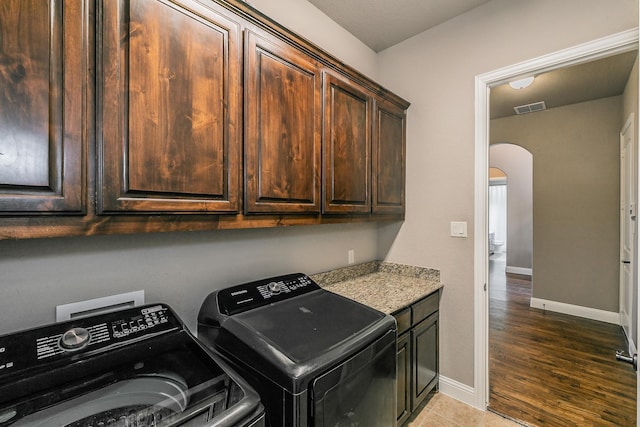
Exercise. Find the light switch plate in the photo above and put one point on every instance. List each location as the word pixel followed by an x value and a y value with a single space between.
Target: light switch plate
pixel 458 229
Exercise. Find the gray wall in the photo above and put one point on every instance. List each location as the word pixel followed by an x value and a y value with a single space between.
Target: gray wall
pixel 576 193
pixel 517 163
pixel 180 269
pixel 436 71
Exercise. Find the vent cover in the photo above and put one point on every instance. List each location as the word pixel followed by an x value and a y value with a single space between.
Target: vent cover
pixel 530 108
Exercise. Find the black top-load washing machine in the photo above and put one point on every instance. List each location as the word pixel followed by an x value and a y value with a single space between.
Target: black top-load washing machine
pixel 315 358
pixel 134 367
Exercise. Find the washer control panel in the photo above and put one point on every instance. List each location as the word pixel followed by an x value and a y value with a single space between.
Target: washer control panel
pixel 252 295
pixel 39 346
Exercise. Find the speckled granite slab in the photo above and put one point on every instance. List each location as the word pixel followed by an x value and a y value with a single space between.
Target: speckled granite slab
pixel 384 286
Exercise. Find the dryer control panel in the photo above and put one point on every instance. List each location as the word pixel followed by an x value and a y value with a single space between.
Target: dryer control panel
pixel 252 295
pixel 40 346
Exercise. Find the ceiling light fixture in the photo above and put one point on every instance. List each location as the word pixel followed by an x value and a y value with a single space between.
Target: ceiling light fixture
pixel 522 83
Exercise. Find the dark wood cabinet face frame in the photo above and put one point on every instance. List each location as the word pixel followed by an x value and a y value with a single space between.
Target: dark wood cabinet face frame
pixel 168 139
pixel 43 78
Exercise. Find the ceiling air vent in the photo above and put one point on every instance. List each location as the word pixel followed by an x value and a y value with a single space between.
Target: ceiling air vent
pixel 530 108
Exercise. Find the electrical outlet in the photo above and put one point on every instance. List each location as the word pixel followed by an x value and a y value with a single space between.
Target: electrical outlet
pixel 351 256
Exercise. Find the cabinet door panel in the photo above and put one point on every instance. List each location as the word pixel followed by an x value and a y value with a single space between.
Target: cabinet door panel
pixel 347 147
pixel 425 356
pixel 282 135
pixel 42 77
pixel 389 159
pixel 170 108
pixel 403 365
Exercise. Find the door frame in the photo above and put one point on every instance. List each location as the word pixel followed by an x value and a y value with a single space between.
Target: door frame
pixel 627 174
pixel 617 43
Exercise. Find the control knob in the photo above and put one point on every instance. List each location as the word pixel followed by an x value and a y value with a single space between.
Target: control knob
pixel 274 287
pixel 74 339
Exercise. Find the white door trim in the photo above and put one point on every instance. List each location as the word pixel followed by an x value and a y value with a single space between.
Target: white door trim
pixel 607 46
pixel 627 190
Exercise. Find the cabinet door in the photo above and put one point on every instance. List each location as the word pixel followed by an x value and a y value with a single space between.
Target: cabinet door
pixel 283 128
pixel 170 108
pixel 43 65
pixel 346 147
pixel 389 158
pixel 403 365
pixel 424 346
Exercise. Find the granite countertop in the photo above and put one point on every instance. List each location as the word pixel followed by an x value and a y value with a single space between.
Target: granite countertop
pixel 387 287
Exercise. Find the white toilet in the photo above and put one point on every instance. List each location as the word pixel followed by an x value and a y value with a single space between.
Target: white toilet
pixel 494 245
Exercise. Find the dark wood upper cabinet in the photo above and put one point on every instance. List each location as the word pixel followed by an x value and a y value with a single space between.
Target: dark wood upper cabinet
pixel 43 59
pixel 348 110
pixel 135 116
pixel 169 108
pixel 282 127
pixel 389 158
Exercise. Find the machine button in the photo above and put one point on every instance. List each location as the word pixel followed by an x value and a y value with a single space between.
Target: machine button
pixel 74 339
pixel 274 287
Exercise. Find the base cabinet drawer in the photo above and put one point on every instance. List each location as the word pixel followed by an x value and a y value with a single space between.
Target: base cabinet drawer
pixel 417 355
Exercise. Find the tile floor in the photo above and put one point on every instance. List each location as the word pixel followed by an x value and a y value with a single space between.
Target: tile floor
pixel 445 411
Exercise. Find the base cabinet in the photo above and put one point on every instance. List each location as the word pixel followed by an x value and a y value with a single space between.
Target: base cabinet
pixel 417 354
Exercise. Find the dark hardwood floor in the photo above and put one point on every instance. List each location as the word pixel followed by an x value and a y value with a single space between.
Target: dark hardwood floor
pixel 550 369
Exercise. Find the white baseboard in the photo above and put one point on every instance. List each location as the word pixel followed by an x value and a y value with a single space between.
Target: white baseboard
pixel 519 270
pixel 459 391
pixel 576 310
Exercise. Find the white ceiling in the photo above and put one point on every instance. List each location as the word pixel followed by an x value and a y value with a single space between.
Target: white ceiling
pixel 383 23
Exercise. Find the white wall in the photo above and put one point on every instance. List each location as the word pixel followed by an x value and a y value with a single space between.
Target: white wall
pixel 435 71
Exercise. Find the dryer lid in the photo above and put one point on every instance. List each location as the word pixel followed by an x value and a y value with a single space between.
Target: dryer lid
pixel 309 326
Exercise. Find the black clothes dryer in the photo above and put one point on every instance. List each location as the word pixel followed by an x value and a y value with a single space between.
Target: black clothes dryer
pixel 315 358
pixel 135 367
